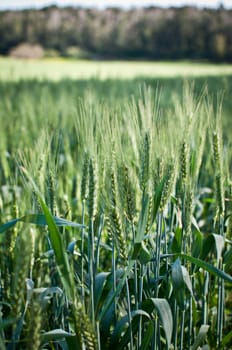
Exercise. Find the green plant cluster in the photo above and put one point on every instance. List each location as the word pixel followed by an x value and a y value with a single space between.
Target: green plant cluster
pixel 115 214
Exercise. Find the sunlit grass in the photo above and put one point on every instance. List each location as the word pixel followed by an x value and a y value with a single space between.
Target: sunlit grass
pixel 56 69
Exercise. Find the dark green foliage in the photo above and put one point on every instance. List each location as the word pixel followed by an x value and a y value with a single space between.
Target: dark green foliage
pixel 151 33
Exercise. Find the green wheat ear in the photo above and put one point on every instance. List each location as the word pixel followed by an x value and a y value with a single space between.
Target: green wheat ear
pixel 217 150
pixel 51 191
pixel 129 195
pixel 84 328
pixel 184 162
pixel 15 214
pixel 116 219
pixel 219 178
pixel 85 177
pixel 93 189
pixel 145 162
pixel 35 325
pixel 149 215
pixel 169 181
pixel 22 252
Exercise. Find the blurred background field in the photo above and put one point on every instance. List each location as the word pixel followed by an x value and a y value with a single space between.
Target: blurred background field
pixel 69 79
pixel 54 69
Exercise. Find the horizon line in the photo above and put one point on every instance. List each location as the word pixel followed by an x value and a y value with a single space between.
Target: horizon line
pixel 103 7
pixel 104 4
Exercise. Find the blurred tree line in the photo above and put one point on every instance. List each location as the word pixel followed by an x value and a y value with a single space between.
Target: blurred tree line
pixel 147 33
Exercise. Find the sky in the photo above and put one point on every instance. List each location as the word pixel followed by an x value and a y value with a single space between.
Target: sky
pixel 18 4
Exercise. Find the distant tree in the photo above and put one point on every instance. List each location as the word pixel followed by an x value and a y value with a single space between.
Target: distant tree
pixel 149 33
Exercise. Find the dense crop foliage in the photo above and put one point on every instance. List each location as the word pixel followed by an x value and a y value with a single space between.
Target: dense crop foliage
pixel 115 209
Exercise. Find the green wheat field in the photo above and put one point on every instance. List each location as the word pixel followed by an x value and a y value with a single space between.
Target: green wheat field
pixel 115 205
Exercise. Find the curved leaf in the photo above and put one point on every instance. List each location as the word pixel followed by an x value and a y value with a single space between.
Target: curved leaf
pixel 208 267
pixel 148 334
pixel 50 290
pixel 30 289
pixel 55 334
pixel 120 328
pixel 180 280
pixel 142 219
pixel 141 253
pixel 226 340
pixel 112 296
pixel 200 337
pixel 8 225
pixel 219 244
pixel 228 260
pixel 165 315
pixel 197 243
pixel 60 252
pixel 157 198
pixel 100 282
pixel 38 219
pixel 71 247
pixel 177 241
pixel 61 257
pixel 213 240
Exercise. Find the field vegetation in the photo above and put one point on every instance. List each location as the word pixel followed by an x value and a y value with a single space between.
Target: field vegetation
pixel 56 69
pixel 115 212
